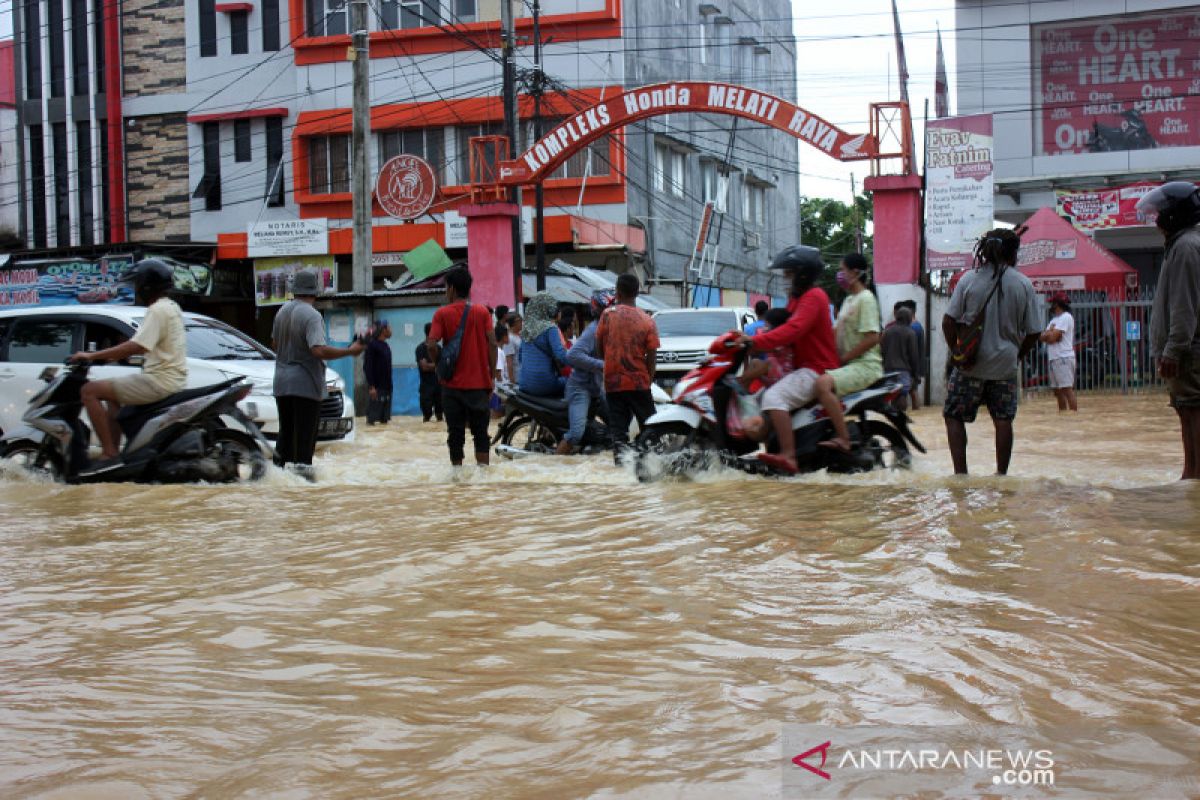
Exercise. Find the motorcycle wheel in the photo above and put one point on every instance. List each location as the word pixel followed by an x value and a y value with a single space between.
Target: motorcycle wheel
pixel 531 436
pixel 30 457
pixel 667 450
pixel 241 452
pixel 886 446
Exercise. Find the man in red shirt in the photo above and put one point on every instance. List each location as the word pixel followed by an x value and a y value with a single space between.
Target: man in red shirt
pixel 627 342
pixel 465 396
pixel 809 331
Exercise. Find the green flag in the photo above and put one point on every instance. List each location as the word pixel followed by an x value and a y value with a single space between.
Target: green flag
pixel 426 260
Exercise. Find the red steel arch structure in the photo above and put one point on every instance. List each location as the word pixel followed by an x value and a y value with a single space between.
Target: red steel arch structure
pixel 889 140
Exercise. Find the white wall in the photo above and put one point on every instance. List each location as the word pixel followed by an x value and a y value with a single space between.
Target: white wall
pixel 9 195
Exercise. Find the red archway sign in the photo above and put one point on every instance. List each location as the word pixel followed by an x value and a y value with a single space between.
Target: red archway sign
pixel 405 187
pixel 588 125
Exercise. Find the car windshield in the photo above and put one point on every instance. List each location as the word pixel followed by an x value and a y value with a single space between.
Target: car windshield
pixel 214 341
pixel 695 323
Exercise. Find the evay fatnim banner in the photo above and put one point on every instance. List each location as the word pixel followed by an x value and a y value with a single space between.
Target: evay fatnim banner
pixel 1118 83
pixel 958 189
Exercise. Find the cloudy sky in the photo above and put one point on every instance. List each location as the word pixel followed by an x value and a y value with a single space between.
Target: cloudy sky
pixel 847 60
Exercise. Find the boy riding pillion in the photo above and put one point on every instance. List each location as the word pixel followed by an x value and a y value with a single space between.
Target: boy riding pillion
pixel 160 337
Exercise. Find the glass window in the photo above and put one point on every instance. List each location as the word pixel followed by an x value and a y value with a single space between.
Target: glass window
pixel 420 13
pixel 577 165
pixel 37 180
pixel 241 140
pixel 275 176
pixel 209 188
pixel 327 17
pixel 465 11
pixel 670 168
pixel 62 184
pixel 239 33
pixel 426 143
pixel 695 323
pixel 754 205
pixel 329 164
pixel 83 151
pixel 208 28
pixel 101 336
pixel 33 52
pixel 79 47
pixel 41 342
pixel 58 78
pixel 211 340
pixel 270 25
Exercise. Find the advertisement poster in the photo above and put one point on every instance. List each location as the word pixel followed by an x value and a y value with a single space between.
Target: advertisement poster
pixel 1118 83
pixel 76 282
pixel 1103 208
pixel 292 237
pixel 958 196
pixel 273 277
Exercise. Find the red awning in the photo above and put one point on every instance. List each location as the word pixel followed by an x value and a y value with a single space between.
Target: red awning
pixel 1056 256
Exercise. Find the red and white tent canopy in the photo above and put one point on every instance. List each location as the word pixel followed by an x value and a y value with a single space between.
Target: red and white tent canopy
pixel 1056 256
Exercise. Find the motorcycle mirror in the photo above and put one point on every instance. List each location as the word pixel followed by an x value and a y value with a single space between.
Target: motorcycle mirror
pixel 48 374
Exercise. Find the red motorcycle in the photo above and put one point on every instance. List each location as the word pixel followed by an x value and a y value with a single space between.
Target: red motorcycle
pixel 695 432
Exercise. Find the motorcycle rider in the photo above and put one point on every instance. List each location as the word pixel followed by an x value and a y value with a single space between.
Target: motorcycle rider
pixel 809 331
pixel 161 337
pixel 1175 318
pixel 585 386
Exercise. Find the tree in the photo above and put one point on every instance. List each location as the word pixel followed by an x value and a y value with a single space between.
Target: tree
pixel 830 226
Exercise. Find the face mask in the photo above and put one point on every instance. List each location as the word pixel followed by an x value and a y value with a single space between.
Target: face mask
pixel 843 280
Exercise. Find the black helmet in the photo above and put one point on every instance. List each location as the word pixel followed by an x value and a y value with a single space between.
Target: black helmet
pixel 804 261
pixel 1177 204
pixel 151 275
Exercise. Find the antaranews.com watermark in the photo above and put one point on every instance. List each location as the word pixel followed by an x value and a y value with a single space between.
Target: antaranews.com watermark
pixel 971 760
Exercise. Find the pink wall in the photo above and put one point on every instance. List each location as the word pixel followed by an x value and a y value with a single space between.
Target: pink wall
pixel 490 252
pixel 897 201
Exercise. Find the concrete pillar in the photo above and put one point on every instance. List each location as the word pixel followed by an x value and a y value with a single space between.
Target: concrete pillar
pixel 897 200
pixel 490 252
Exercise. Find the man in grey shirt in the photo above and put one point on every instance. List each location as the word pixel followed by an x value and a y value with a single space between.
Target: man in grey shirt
pixel 298 338
pixel 1011 325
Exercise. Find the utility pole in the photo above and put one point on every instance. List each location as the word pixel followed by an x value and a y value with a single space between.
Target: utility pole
pixel 363 280
pixel 539 231
pixel 512 129
pixel 858 232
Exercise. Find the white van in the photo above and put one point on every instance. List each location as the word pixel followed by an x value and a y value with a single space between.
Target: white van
pixel 32 339
pixel 685 335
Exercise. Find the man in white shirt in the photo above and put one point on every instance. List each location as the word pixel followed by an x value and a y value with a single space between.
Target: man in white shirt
pixel 1059 337
pixel 512 350
pixel 163 342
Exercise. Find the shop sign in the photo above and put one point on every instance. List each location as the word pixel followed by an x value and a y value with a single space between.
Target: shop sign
pixel 292 237
pixel 959 204
pixel 87 282
pixel 273 277
pixel 1103 208
pixel 455 227
pixel 405 187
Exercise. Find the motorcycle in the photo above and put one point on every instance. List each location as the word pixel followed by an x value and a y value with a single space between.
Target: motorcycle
pixel 691 435
pixel 1131 134
pixel 533 424
pixel 194 435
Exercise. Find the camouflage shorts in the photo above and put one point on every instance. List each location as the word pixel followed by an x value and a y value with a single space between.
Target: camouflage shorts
pixel 964 396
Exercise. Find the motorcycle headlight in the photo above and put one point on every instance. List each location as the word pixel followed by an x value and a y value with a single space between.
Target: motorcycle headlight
pixel 257 385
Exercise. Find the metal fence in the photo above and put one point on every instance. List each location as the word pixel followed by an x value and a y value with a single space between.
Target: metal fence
pixel 1112 344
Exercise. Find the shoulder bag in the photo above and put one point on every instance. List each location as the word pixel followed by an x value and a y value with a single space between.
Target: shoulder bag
pixel 448 358
pixel 965 351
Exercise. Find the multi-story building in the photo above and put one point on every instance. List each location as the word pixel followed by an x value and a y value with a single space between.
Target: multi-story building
pixel 1091 102
pixel 9 157
pixel 193 120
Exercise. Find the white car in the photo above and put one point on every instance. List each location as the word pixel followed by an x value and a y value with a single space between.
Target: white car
pixel 32 339
pixel 685 334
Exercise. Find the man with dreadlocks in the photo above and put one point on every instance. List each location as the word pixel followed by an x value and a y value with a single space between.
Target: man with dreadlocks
pixel 1011 317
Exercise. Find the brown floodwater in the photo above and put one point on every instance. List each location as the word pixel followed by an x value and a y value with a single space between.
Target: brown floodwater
pixel 553 629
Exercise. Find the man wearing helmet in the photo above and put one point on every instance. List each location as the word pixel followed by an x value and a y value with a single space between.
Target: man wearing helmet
pixel 160 337
pixel 1175 317
pixel 809 332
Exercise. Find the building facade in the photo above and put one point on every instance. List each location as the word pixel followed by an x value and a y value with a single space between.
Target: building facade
pixel 1092 103
pixel 200 121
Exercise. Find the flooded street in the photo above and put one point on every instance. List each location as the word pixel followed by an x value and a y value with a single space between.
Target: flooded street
pixel 553 629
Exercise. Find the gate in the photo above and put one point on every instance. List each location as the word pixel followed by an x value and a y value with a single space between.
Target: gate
pixel 1112 344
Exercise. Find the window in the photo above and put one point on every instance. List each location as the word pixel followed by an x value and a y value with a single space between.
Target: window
pixel 83 149
pixel 62 184
pixel 98 47
pixel 467 132
pixel 209 188
pixel 79 47
pixel 670 167
pixel 754 205
pixel 327 17
pixel 241 140
pixel 722 49
pixel 410 13
pixel 715 184
pixel 33 52
pixel 329 164
pixel 702 50
pixel 101 336
pixel 58 78
pixel 275 177
pixel 577 165
pixel 270 25
pixel 239 33
pixel 467 11
pixel 208 28
pixel 426 143
pixel 41 341
pixel 37 179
